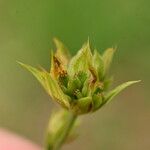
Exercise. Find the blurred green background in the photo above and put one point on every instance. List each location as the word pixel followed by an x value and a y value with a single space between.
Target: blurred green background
pixel 26 32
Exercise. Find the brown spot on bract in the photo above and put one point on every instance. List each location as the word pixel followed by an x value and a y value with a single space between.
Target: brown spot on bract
pixel 58 68
pixel 94 77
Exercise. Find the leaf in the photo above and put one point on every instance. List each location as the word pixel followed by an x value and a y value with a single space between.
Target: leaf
pixel 37 73
pixel 52 67
pixel 98 64
pixel 61 51
pixel 97 101
pixel 118 89
pixel 107 58
pixel 81 61
pixel 56 91
pixel 50 85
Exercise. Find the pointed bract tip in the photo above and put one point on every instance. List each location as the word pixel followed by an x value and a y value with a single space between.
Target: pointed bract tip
pixel 22 64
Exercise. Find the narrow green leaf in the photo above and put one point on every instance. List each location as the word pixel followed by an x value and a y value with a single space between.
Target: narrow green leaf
pixel 61 51
pixel 107 58
pixel 118 89
pixel 81 61
pixel 40 75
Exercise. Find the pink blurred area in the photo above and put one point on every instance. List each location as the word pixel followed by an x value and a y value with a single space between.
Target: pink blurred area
pixel 11 141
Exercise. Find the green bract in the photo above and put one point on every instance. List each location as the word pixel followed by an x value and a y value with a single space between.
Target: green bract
pixel 79 83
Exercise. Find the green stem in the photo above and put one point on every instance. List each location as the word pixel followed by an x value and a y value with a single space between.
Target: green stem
pixel 59 142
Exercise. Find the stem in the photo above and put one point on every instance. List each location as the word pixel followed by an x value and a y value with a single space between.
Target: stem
pixel 61 140
pixel 56 145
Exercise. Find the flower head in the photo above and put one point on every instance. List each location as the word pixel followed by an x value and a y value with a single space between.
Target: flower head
pixel 79 83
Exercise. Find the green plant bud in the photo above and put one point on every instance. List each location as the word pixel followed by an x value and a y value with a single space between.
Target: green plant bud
pixel 73 84
pixel 82 106
pixel 63 79
pixel 79 84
